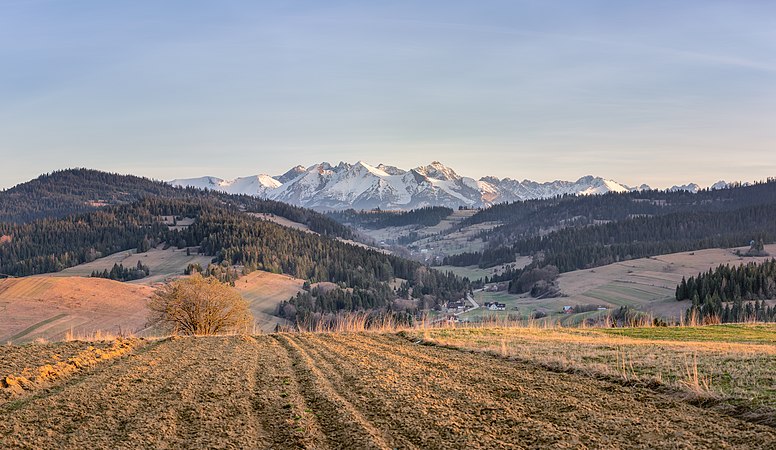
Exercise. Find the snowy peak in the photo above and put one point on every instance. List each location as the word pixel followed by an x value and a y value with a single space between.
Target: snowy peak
pixel 598 186
pixel 438 171
pixel 391 170
pixel 212 183
pixel 258 185
pixel 721 184
pixel 291 174
pixel 692 188
pixel 362 185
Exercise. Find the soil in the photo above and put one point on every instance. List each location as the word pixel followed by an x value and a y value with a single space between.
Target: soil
pixel 351 391
pixel 15 358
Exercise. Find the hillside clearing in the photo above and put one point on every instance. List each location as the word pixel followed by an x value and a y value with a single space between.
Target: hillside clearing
pixel 53 307
pixel 164 264
pixel 352 391
pixel 50 307
pixel 264 291
pixel 646 284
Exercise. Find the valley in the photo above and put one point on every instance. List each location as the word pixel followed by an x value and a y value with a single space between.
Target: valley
pixel 645 285
pixel 387 225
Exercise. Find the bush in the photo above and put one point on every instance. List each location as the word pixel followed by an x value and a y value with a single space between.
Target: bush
pixel 199 306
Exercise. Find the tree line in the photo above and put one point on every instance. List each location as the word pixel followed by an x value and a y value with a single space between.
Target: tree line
pixel 120 273
pixel 587 247
pixel 529 217
pixel 376 218
pixel 726 293
pixel 76 191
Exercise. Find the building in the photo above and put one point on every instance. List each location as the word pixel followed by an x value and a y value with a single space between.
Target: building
pixel 456 306
pixel 495 306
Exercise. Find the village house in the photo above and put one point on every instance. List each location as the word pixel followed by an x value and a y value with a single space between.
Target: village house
pixel 456 306
pixel 495 306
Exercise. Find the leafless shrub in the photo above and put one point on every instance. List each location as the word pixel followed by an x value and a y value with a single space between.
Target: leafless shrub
pixel 199 306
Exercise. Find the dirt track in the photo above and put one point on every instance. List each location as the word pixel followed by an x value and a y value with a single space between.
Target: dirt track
pixel 351 391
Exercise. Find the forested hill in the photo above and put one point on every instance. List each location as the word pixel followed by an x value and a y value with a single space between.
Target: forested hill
pixel 596 245
pixel 529 218
pixel 74 191
pixel 376 219
pixel 70 191
pixel 231 238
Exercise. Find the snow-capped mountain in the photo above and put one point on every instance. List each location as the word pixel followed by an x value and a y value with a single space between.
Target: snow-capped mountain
pixel 692 188
pixel 259 185
pixel 363 186
pixel 721 184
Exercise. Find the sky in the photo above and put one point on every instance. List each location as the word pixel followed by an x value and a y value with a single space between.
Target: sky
pixel 658 92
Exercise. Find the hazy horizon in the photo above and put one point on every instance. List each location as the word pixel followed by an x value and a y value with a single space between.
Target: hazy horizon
pixel 463 174
pixel 662 93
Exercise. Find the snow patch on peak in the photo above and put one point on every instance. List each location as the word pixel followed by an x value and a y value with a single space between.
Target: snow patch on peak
pixel 199 183
pixel 721 184
pixel 438 171
pixel 391 170
pixel 371 169
pixel 691 187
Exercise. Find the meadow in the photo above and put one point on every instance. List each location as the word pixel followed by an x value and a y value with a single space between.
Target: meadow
pixel 730 366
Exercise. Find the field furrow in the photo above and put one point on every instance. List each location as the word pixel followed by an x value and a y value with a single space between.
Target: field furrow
pixel 491 402
pixel 181 393
pixel 343 424
pixel 351 390
pixel 279 400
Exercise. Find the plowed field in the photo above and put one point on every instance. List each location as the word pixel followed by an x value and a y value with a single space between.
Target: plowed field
pixel 350 391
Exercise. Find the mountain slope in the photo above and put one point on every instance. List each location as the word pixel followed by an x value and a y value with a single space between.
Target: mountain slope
pixel 64 192
pixel 76 191
pixel 257 185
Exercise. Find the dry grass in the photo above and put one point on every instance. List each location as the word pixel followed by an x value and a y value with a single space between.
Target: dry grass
pixel 739 372
pixel 165 265
pixel 647 284
pixel 351 390
pixel 31 379
pixel 49 307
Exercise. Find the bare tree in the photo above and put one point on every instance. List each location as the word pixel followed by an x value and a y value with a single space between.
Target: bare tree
pixel 199 306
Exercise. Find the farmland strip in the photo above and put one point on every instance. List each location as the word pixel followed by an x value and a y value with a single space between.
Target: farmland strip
pixel 184 392
pixel 279 403
pixel 342 423
pixel 549 406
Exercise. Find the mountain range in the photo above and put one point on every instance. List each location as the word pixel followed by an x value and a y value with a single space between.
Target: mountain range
pixel 363 186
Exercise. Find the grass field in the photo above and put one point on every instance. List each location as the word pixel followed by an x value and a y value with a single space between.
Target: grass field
pixel 351 390
pixel 475 273
pixel 264 291
pixel 735 364
pixel 647 285
pixel 51 307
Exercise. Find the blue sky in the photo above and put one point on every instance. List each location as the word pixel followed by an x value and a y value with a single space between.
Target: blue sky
pixel 641 92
